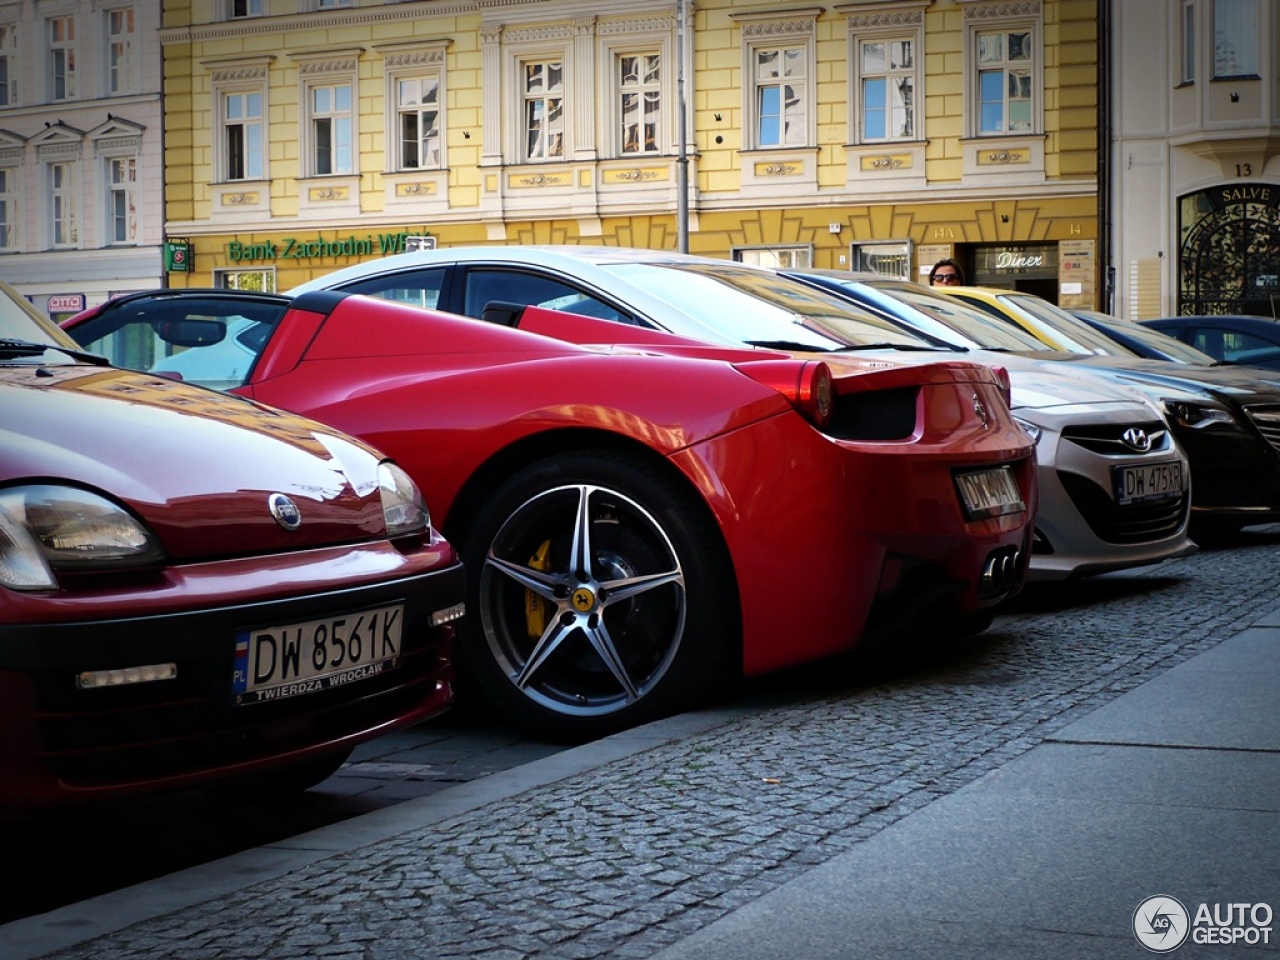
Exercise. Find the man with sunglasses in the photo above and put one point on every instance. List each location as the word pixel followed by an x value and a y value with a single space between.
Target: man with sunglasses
pixel 946 272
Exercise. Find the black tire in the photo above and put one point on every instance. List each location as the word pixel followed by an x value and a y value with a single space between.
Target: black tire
pixel 637 626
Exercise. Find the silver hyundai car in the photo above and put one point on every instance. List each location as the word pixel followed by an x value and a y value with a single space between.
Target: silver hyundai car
pixel 1114 483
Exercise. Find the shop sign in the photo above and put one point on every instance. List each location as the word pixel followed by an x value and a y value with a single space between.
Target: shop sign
pixel 177 256
pixel 1031 260
pixel 295 248
pixel 65 303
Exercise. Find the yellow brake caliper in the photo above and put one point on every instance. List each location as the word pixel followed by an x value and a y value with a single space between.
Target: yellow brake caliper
pixel 537 611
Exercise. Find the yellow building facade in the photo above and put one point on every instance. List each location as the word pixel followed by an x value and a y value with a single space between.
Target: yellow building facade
pixel 306 135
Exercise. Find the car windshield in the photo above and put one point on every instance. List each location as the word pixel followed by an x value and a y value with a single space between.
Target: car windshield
pixel 1074 333
pixel 746 305
pixel 982 329
pixel 26 335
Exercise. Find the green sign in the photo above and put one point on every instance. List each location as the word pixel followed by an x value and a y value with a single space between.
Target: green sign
pixel 294 248
pixel 178 256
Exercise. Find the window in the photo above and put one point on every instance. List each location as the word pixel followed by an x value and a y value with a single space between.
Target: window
pixel 885 259
pixel 1188 41
pixel 122 200
pixel 120 51
pixel 242 130
pixel 782 258
pixel 887 68
pixel 1005 81
pixel 780 97
pixel 420 288
pixel 332 127
pixel 63 188
pixel 9 226
pixel 262 281
pixel 543 109
pixel 484 286
pixel 418 123
pixel 245 8
pixel 1235 38
pixel 62 58
pixel 9 64
pixel 639 102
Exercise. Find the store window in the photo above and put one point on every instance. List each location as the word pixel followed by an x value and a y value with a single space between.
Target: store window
pixel 782 257
pixel 259 281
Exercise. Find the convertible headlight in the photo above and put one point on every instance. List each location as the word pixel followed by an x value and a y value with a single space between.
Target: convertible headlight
pixel 47 529
pixel 1199 416
pixel 403 506
pixel 1032 430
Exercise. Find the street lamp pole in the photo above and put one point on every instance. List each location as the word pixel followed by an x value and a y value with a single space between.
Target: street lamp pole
pixel 682 163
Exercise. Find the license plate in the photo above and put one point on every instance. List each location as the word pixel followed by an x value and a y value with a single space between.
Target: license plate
pixel 989 493
pixel 273 663
pixel 1148 481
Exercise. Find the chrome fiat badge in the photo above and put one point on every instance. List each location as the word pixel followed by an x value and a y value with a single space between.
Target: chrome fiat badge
pixel 285 511
pixel 1135 438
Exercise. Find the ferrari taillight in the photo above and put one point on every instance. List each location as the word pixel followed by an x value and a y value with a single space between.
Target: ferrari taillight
pixel 1006 387
pixel 807 385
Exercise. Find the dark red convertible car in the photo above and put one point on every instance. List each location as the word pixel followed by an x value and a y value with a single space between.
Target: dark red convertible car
pixel 638 521
pixel 195 589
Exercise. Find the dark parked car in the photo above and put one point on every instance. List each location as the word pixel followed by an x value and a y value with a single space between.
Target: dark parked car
pixel 1248 340
pixel 1226 418
pixel 1145 341
pixel 196 589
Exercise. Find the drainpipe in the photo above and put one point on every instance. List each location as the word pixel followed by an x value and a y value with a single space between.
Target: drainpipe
pixel 682 163
pixel 1107 271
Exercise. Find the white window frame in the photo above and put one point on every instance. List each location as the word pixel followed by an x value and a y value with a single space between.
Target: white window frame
pixel 331 127
pixel 11 58
pixel 10 207
pixel 125 190
pixel 510 49
pixel 978 27
pixel 261 281
pixel 631 100
pixel 1241 17
pixel 61 76
pixel 554 141
pixel 62 183
pixel 781 256
pixel 1187 43
pixel 243 9
pixel 859 36
pixel 120 50
pixel 230 82
pixel 424 63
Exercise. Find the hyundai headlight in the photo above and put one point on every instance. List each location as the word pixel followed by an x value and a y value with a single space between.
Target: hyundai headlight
pixel 403 507
pixel 46 529
pixel 1032 430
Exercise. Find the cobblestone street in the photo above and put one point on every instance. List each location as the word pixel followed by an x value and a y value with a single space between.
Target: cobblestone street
pixel 629 857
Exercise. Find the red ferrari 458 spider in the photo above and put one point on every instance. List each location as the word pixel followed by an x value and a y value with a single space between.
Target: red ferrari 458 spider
pixel 638 521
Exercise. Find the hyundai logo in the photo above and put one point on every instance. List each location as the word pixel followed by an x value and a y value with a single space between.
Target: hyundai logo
pixel 285 511
pixel 1135 438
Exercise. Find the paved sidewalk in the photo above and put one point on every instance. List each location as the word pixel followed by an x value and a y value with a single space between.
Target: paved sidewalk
pixel 1018 798
pixel 1173 789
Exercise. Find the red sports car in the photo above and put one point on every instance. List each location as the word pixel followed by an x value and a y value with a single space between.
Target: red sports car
pixel 637 521
pixel 195 589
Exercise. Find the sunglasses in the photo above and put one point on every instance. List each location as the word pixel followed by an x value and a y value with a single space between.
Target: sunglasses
pixel 946 278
